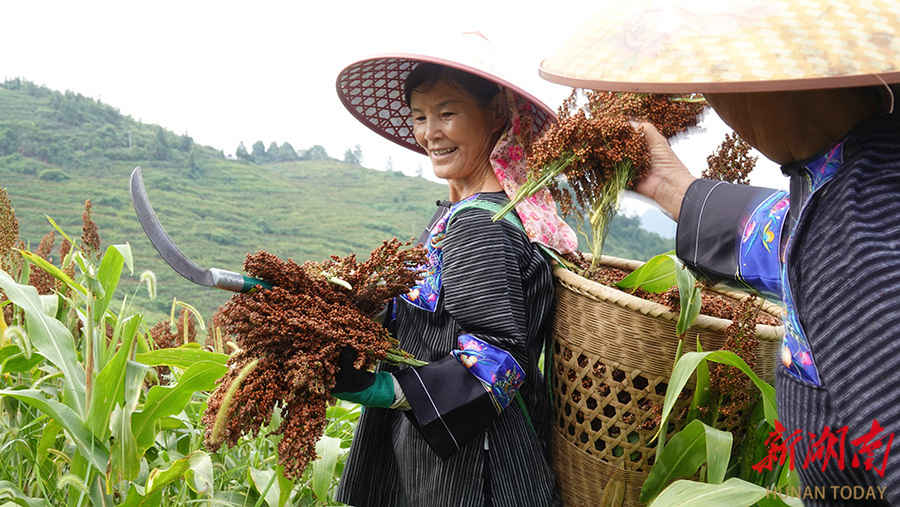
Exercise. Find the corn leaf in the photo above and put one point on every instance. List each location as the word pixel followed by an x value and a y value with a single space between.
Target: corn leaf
pixel 13 360
pixel 655 275
pixel 195 468
pixel 701 391
pixel 733 493
pixel 54 271
pixel 683 455
pixel 688 295
pixel 109 273
pixel 109 388
pixel 688 363
pixel 328 449
pixel 163 401
pixel 90 448
pixel 51 338
pixel 179 357
pixel 10 493
pixel 267 484
pixel 125 459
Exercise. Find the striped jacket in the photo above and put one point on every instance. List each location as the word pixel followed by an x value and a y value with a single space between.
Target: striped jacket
pixel 834 257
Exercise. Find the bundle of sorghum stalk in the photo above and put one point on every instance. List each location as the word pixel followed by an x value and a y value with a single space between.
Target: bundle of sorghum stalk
pixel 291 336
pixel 600 154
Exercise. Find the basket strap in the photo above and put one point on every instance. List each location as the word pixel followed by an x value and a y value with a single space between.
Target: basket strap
pixel 513 219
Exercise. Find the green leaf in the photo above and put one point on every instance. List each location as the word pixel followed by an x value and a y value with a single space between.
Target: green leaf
pixel 701 391
pixel 267 484
pixel 9 492
pixel 180 357
pixel 50 337
pixel 163 401
pixel 199 475
pixel 688 295
pixel 90 448
pixel 109 387
pixel 328 450
pixel 54 271
pixel 733 493
pixel 656 275
pixel 285 487
pixel 683 455
pixel 48 437
pixel 198 463
pixel 125 459
pixel 718 452
pixel 108 275
pixel 688 363
pixel 12 360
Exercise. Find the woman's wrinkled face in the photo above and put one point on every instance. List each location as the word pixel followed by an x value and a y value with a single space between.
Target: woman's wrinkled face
pixel 457 133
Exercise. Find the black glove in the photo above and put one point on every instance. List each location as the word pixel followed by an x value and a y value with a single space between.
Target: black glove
pixel 348 379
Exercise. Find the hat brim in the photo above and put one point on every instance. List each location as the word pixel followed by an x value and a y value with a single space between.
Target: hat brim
pixel 735 46
pixel 372 90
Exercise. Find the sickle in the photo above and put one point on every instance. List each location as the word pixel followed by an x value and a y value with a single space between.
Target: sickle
pixel 174 257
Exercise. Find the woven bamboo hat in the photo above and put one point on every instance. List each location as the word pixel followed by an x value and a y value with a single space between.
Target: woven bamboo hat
pixel 732 46
pixel 372 88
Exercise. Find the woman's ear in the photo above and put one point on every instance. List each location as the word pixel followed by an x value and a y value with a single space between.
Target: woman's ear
pixel 499 111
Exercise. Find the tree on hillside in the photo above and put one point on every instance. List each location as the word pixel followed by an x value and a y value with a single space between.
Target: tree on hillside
pixel 161 148
pixel 9 141
pixel 288 152
pixel 273 154
pixel 241 153
pixel 185 143
pixel 195 168
pixel 315 152
pixel 354 155
pixel 258 153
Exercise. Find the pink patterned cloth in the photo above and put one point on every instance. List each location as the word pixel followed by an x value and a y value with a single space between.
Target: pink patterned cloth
pixel 509 160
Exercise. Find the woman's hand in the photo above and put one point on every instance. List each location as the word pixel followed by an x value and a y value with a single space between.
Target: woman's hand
pixel 668 178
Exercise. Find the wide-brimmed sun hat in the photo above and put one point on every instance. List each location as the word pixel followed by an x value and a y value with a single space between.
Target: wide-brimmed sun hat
pixel 372 88
pixel 732 46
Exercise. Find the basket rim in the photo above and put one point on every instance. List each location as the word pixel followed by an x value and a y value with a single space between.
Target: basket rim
pixel 600 292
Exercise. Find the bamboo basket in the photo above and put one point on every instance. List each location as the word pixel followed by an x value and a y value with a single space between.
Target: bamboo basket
pixel 612 357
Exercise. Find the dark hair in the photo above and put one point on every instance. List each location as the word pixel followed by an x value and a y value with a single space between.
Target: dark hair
pixel 423 77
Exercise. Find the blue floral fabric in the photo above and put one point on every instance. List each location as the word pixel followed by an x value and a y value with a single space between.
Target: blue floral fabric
pixel 495 368
pixel 425 294
pixel 762 263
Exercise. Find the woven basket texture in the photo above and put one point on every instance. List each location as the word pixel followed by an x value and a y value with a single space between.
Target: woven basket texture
pixel 612 357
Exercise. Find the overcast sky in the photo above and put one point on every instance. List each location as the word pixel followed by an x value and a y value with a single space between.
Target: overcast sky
pixel 229 72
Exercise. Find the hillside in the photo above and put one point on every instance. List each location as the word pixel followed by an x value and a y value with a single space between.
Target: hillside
pixel 59 149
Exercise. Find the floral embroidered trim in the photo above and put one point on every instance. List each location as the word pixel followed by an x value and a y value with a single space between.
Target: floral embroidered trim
pixel 495 368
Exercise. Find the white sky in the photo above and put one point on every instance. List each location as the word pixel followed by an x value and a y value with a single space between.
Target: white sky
pixel 227 72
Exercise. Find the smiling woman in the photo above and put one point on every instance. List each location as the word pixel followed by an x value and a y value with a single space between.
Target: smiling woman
pixel 457 128
pixel 470 427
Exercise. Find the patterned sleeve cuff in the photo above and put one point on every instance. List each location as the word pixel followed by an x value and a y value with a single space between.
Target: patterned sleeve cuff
pixel 714 215
pixel 448 405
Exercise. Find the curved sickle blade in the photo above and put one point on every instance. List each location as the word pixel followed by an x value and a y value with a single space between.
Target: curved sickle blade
pixel 167 248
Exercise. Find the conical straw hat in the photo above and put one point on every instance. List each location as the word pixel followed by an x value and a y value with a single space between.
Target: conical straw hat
pixel 732 46
pixel 372 88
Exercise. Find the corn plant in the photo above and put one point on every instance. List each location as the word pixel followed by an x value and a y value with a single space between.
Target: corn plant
pixel 700 449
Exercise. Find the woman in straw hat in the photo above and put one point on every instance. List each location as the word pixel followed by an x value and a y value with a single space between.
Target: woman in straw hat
pixel 808 84
pixel 471 427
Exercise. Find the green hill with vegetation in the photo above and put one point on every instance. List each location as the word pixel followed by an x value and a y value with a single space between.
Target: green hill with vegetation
pixel 58 150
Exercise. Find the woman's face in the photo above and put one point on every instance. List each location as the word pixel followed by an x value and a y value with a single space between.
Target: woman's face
pixel 456 132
